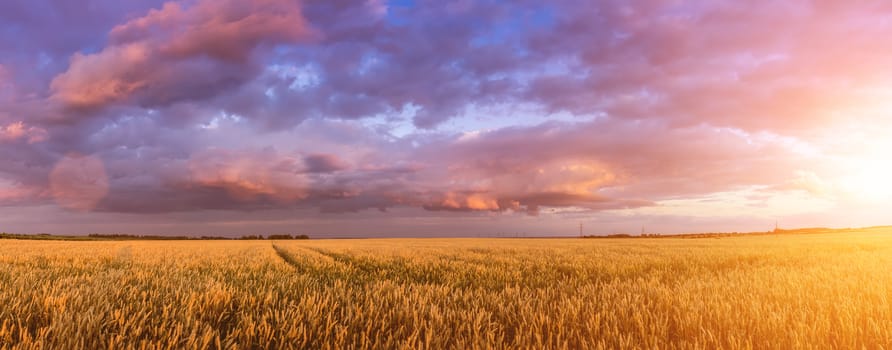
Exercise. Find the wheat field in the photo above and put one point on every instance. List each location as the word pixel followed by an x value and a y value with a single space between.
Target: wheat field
pixel 789 291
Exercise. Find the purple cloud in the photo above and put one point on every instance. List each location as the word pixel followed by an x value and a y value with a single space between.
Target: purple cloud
pixel 456 108
pixel 179 53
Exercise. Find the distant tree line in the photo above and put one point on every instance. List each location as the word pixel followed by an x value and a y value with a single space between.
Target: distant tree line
pixel 124 237
pixel 277 237
pixel 41 236
pixel 117 236
pixel 655 235
pixel 626 235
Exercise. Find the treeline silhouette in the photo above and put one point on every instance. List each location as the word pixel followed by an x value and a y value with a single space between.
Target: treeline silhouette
pixel 685 235
pixel 149 237
pixel 678 235
pixel 125 237
pixel 626 235
pixel 276 237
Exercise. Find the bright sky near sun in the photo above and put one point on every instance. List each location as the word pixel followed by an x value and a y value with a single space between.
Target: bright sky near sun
pixel 428 118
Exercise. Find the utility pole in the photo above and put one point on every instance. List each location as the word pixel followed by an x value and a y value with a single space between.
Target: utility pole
pixel 580 230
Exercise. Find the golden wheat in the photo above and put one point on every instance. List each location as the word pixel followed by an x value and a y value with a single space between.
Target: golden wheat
pixel 797 291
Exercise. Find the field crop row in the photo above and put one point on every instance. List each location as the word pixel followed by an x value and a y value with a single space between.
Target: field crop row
pixel 797 291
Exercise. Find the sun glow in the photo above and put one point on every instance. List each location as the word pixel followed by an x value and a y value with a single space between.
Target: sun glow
pixel 870 177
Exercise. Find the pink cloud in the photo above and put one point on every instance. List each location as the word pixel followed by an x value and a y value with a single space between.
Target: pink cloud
pixel 13 193
pixel 79 182
pixel 498 184
pixel 178 53
pixel 20 131
pixel 250 176
pixel 808 182
pixel 629 164
pixel 224 30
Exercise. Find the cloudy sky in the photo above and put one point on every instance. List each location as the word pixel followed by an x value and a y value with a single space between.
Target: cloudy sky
pixel 422 118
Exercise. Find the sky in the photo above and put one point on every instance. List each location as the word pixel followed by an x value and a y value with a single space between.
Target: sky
pixel 338 118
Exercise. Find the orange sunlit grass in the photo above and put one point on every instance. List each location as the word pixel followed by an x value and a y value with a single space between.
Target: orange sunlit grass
pixel 779 291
